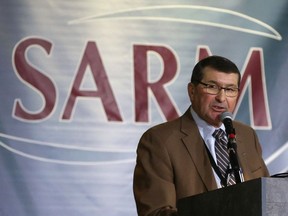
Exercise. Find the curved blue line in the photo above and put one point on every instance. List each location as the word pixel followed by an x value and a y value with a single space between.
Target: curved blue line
pixel 57 145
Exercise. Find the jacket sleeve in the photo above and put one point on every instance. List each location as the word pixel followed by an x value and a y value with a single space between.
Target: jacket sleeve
pixel 153 186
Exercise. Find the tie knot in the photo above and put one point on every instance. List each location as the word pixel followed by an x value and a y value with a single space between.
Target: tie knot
pixel 218 134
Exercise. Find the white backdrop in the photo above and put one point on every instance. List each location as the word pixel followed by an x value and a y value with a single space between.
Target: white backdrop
pixel 82 80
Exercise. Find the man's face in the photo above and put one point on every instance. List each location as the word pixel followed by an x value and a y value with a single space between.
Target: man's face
pixel 208 106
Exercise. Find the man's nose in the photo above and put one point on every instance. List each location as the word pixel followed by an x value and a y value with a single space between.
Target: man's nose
pixel 221 96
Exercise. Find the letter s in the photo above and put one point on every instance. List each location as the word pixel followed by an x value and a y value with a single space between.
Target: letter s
pixel 34 79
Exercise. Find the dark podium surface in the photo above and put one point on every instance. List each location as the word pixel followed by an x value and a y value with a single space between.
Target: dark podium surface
pixel 258 197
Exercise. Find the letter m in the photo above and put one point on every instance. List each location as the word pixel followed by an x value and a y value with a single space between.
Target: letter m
pixel 253 80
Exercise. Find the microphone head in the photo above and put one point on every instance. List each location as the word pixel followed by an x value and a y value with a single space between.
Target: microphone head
pixel 226 118
pixel 225 115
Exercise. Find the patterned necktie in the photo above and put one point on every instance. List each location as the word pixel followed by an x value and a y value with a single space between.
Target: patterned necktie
pixel 222 156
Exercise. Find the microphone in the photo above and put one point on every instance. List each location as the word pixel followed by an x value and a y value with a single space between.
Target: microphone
pixel 226 118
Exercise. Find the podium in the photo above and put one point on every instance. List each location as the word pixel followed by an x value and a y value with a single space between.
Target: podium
pixel 258 197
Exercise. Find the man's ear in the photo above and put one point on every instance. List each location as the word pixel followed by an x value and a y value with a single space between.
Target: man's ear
pixel 191 90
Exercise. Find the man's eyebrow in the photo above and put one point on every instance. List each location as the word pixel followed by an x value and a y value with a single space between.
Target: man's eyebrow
pixel 218 84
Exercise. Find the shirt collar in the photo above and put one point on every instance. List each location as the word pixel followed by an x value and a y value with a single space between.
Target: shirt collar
pixel 205 129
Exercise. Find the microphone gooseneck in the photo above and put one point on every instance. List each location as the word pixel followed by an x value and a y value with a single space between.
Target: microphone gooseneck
pixel 226 118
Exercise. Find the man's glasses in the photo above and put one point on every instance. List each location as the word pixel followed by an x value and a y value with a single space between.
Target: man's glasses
pixel 215 89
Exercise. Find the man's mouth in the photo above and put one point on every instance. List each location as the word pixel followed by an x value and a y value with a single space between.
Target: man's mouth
pixel 219 108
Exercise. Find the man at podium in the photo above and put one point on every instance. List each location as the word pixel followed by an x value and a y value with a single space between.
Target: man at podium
pixel 188 156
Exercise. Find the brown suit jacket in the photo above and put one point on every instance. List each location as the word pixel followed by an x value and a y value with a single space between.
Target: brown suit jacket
pixel 172 163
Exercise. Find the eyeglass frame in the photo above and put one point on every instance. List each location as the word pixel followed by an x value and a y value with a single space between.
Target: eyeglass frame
pixel 219 89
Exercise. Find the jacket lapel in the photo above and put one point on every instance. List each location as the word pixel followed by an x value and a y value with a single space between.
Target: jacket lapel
pixel 195 146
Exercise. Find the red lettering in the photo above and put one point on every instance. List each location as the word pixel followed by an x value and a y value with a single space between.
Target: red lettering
pixel 142 84
pixel 34 79
pixel 253 75
pixel 202 52
pixel 92 58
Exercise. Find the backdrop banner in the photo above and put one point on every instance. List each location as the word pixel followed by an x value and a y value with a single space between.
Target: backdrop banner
pixel 82 80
